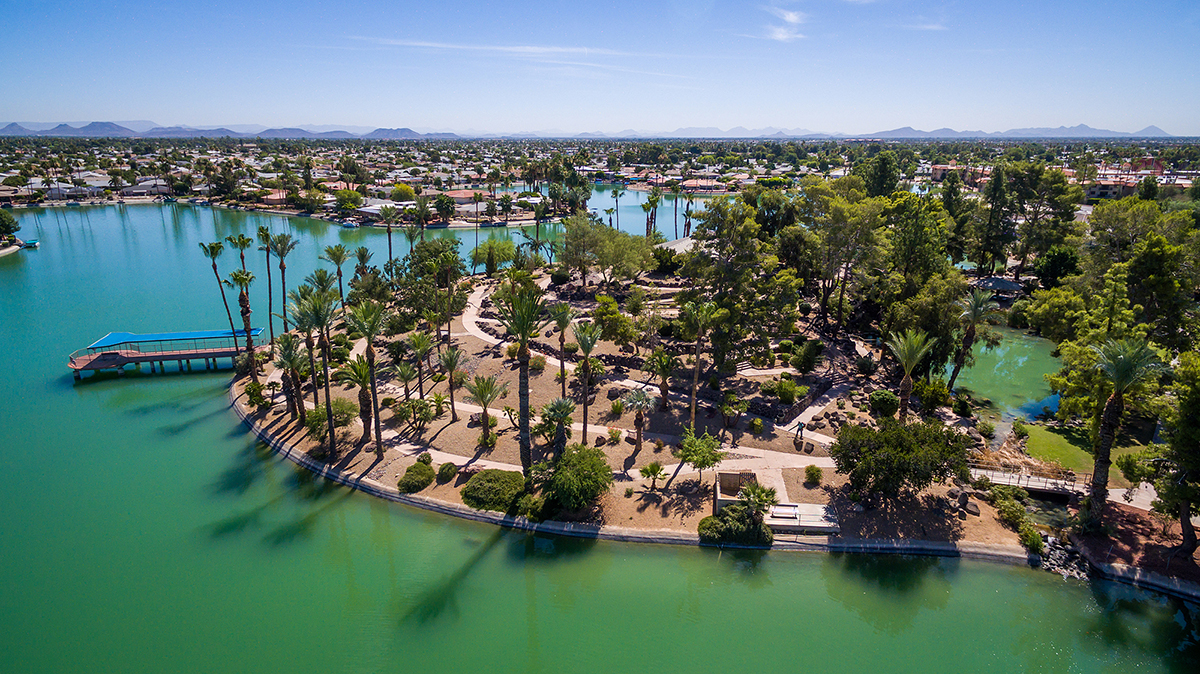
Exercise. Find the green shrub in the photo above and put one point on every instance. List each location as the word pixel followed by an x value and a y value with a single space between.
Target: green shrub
pixel 786 390
pixel 460 378
pixel 537 363
pixel 805 308
pixel 734 525
pixel 962 407
pixel 354 336
pixel 986 429
pixel 579 476
pixel 387 402
pixel 756 425
pixel 628 492
pixel 714 383
pixel 344 412
pixel 1018 314
pixel 254 395
pixel 1020 429
pixel 425 458
pixel 571 348
pixel 769 387
pixel 1011 513
pixel 808 356
pixel 493 489
pixel 786 346
pixel 884 403
pixel 932 394
pixel 532 507
pixel 1031 538
pixel 614 436
pixel 511 350
pixel 865 366
pixel 1001 492
pixel 618 408
pixel 560 276
pixel 340 354
pixel 417 477
pixel 813 474
pixel 446 472
pixel 488 441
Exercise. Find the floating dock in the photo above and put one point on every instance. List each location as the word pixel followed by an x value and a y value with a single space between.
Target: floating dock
pixel 116 350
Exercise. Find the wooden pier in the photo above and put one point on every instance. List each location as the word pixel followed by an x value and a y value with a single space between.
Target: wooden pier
pixel 117 350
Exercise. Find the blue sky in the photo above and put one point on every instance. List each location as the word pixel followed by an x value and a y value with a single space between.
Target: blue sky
pixel 853 66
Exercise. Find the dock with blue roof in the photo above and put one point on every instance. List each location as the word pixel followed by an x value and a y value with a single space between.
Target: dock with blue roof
pixel 116 350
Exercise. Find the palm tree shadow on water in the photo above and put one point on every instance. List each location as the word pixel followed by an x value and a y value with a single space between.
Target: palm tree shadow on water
pixel 1146 626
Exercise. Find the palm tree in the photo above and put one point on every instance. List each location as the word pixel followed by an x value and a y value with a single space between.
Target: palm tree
pixel 290 361
pixel 523 315
pixel 676 190
pixel 406 373
pixel 654 472
pixel 421 344
pixel 506 206
pixel 587 335
pixel 241 279
pixel 451 360
pixel 559 412
pixel 390 215
pixel 317 308
pixel 485 391
pixel 909 348
pixel 976 307
pixel 562 316
pixel 1125 364
pixel 303 325
pixel 366 318
pixel 617 192
pixel 422 214
pixel 321 280
pixel 757 499
pixel 412 233
pixel 361 374
pixel 264 244
pixel 701 316
pixel 213 251
pixel 282 245
pixel 663 365
pixel 337 256
pixel 362 260
pixel 447 265
pixel 640 402
pixel 240 242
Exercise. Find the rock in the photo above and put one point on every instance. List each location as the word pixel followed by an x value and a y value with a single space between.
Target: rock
pixel 962 514
pixel 857 507
pixel 971 508
pixel 963 499
pixel 812 425
pixel 614 393
pixel 953 493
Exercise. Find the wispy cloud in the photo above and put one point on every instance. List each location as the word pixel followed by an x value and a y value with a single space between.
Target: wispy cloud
pixel 927 26
pixel 515 50
pixel 786 32
pixel 786 15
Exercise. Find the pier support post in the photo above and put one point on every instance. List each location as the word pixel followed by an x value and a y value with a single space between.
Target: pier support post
pixel 181 366
pixel 78 375
pixel 151 367
pixel 121 371
pixel 189 362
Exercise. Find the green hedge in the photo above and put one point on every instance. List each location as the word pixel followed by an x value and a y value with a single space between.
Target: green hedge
pixel 417 477
pixel 493 489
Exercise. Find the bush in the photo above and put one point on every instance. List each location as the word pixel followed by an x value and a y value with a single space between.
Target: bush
pixel 807 356
pixel 344 412
pixel 571 348
pixel 579 476
pixel 786 346
pixel 446 472
pixel 537 363
pixel 884 403
pixel 1010 512
pixel 493 489
pixel 460 378
pixel 865 366
pixel 511 350
pixel 962 407
pixel 1031 538
pixel 387 402
pixel 1020 429
pixel 734 525
pixel 560 276
pixel 417 477
pixel 786 390
pixel 714 383
pixel 618 408
pixel 769 387
pixel 254 395
pixel 756 426
pixel 805 308
pixel 1018 314
pixel 614 436
pixel 487 442
pixel 986 429
pixel 532 507
pixel 425 458
pixel 813 474
pixel 932 394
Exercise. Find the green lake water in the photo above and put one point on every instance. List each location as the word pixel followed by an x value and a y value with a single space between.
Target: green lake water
pixel 144 531
pixel 1011 375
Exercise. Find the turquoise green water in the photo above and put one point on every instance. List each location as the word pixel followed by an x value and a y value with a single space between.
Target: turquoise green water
pixel 145 532
pixel 1011 375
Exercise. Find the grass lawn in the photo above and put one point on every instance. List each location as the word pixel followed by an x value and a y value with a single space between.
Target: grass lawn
pixel 1071 447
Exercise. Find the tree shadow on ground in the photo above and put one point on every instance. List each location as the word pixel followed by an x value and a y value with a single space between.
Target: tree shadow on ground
pixel 909 516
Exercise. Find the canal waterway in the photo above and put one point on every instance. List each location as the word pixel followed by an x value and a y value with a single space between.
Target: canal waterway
pixel 145 531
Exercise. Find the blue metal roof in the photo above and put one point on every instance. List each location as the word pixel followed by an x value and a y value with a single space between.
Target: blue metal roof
pixel 115 338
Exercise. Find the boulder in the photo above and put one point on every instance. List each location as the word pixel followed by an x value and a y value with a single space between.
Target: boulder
pixel 963 499
pixel 953 493
pixel 971 508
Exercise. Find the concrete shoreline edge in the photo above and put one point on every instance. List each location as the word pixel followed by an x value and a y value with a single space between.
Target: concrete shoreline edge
pixel 1002 554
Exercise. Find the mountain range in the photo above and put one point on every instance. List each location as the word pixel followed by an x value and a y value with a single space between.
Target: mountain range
pixel 147 129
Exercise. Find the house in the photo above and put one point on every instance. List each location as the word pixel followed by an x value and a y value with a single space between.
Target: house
pixel 275 198
pixel 147 188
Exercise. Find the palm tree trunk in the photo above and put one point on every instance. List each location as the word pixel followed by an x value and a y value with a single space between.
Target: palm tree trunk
pixel 453 410
pixel 341 293
pixel 224 301
pixel 1110 420
pixel 487 426
pixel 961 357
pixel 289 395
pixel 270 299
pixel 244 301
pixel 331 455
pixel 365 409
pixel 420 378
pixel 695 383
pixel 906 387
pixel 562 360
pixel 638 422
pixel 375 399
pixel 298 393
pixel 389 228
pixel 283 293
pixel 312 370
pixel 523 397
pixel 587 385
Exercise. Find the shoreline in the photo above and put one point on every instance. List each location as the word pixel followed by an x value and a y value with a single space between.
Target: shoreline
pixel 1001 554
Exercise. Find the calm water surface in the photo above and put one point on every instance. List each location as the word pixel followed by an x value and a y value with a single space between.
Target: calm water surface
pixel 144 531
pixel 1011 375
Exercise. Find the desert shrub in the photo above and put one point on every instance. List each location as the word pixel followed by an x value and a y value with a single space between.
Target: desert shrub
pixel 932 394
pixel 1020 429
pixel 488 441
pixel 460 378
pixel 1031 538
pixel 493 489
pixel 805 308
pixel 417 477
pixel 1001 492
pixel 537 363
pixel 571 348
pixel 579 476
pixel 735 525
pixel 446 472
pixel 785 376
pixel 425 458
pixel 813 475
pixel 714 383
pixel 340 340
pixel 865 365
pixel 807 356
pixel 614 436
pixel 511 350
pixel 340 354
pixel 354 336
pixel 618 408
pixel 1011 513
pixel 532 507
pixel 786 390
pixel 344 412
pixel 962 407
pixel 628 492
pixel 756 425
pixel 841 404
pixel 241 364
pixel 986 429
pixel 769 387
pixel 254 395
pixel 884 403
pixel 387 402
pixel 659 444
pixel 786 346
pixel 560 276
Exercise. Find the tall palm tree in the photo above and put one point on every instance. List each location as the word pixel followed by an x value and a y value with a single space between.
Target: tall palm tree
pixel 362 260
pixel 264 244
pixel 337 256
pixel 640 403
pixel 213 251
pixel 976 307
pixel 318 311
pixel 422 214
pixel 412 234
pixel 305 326
pixel 446 267
pixel 289 359
pixel 1125 364
pixel 421 344
pixel 240 242
pixel 390 215
pixel 366 318
pixel 322 280
pixel 676 190
pixel 485 391
pixel 663 365
pixel 360 374
pixel 559 412
pixel 241 279
pixel 282 245
pixel 562 316
pixel 587 335
pixel 701 316
pixel 617 193
pixel 524 316
pixel 451 360
pixel 909 348
pixel 407 374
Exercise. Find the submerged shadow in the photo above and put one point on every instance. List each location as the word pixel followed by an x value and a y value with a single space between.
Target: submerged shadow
pixel 442 597
pixel 302 527
pixel 1150 625
pixel 889 591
